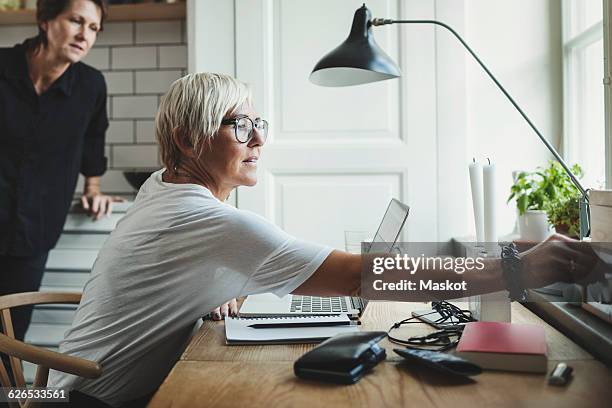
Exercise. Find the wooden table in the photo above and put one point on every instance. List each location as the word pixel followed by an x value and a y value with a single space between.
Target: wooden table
pixel 212 374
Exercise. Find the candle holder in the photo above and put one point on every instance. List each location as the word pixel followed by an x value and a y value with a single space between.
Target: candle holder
pixel 491 307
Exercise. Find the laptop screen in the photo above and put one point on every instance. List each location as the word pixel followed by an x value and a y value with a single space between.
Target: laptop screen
pixel 391 226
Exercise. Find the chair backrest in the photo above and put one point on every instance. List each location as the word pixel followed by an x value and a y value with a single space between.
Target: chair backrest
pixel 45 359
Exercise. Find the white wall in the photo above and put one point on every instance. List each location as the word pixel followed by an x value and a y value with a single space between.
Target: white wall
pixel 451 62
pixel 206 52
pixel 520 41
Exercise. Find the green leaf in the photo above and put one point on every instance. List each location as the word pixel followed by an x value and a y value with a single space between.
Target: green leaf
pixel 545 188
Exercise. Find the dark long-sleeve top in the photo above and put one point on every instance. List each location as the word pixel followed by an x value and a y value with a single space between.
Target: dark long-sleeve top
pixel 45 141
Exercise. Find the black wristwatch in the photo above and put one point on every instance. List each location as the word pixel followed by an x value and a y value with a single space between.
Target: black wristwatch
pixel 511 269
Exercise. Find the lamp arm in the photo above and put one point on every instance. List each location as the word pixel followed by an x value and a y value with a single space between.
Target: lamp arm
pixel 381 21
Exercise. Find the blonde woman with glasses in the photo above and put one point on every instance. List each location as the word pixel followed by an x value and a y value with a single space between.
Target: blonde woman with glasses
pixel 181 250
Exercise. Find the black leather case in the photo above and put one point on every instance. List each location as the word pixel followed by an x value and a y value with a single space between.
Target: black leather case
pixel 442 362
pixel 342 359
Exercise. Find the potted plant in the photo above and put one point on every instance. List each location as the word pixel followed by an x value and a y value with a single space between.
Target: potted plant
pixel 540 193
pixel 563 207
pixel 530 198
pixel 564 215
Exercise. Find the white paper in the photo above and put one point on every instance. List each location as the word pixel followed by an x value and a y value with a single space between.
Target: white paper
pixel 237 330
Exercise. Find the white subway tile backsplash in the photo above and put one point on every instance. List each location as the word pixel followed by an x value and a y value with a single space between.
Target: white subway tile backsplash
pixel 134 107
pixel 135 156
pixel 98 58
pixel 120 131
pixel 145 131
pixel 158 32
pixel 134 57
pixel 173 56
pixel 119 82
pixel 116 34
pixel 155 81
pixel 15 34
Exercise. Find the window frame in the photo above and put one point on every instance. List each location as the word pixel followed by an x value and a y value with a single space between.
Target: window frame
pixel 607 33
pixel 571 44
pixel 584 328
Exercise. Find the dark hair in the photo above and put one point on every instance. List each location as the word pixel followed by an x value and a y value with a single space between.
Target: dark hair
pixel 49 9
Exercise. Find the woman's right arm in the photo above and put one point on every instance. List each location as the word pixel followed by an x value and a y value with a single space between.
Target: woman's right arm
pixel 338 275
pixel 558 259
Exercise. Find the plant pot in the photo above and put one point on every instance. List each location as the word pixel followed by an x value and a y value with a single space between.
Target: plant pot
pixel 534 226
pixel 563 229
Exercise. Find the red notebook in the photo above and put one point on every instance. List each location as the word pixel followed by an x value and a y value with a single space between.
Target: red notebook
pixel 504 346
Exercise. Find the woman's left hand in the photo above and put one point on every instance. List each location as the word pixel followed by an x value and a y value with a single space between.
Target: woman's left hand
pixel 227 309
pixel 98 204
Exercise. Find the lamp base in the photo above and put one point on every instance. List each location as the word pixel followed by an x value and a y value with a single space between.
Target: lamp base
pixel 585 215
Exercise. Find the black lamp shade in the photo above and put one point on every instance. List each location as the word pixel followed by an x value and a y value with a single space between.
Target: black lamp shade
pixel 358 60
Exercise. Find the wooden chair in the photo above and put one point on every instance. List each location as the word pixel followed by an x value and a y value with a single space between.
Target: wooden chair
pixel 45 359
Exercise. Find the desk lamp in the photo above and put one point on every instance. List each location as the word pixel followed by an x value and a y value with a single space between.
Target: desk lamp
pixel 359 60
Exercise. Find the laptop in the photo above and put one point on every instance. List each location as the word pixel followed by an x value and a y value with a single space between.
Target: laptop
pixel 268 304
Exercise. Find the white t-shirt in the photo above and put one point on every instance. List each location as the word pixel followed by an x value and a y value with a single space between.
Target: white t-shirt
pixel 176 255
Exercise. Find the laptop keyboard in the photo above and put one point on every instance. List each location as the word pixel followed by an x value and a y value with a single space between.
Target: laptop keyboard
pixel 317 304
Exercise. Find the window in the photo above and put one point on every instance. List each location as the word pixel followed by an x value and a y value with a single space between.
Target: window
pixel 584 140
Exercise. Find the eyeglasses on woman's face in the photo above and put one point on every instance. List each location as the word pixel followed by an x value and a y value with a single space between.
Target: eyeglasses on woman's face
pixel 245 126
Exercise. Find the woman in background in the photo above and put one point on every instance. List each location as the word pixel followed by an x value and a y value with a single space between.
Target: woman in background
pixel 52 125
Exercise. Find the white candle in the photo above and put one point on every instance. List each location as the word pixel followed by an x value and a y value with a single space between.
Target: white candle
pixel 477 199
pixel 490 226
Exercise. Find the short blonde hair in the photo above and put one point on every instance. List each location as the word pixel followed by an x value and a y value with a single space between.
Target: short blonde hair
pixel 195 105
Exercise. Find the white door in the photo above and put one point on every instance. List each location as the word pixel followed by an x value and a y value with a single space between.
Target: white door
pixel 336 156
